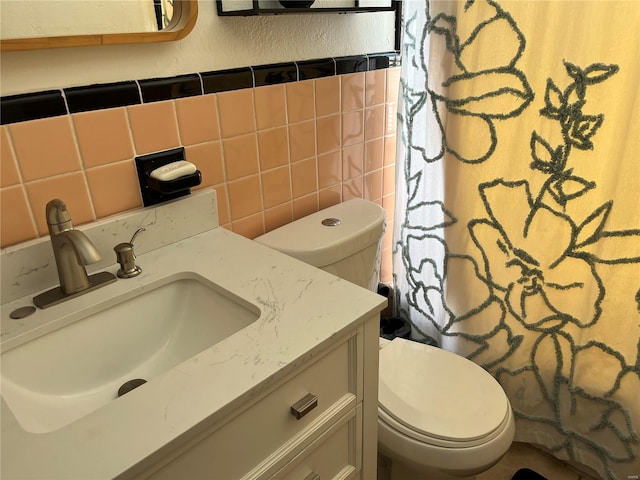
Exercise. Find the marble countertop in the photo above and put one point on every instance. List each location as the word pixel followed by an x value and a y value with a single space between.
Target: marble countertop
pixel 301 310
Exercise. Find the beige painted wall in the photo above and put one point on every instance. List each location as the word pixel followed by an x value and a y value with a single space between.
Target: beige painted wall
pixel 216 43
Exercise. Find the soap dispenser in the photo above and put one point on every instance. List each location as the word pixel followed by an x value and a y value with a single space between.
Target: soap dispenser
pixel 127 258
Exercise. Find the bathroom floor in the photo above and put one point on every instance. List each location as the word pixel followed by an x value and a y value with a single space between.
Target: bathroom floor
pixel 522 455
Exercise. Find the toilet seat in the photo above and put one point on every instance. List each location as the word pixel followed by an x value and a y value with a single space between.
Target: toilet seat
pixel 439 398
pixel 434 460
pixel 408 432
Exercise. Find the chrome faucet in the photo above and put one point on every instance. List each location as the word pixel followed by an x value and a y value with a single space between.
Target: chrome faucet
pixel 72 251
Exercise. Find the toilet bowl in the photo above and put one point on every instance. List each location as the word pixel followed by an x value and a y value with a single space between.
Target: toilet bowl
pixel 443 417
pixel 440 416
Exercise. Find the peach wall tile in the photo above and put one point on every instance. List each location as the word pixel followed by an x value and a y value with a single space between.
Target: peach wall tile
pixel 389 205
pixel 304 206
pixel 387 239
pixel 245 197
pixel 8 168
pixel 276 186
pixel 374 122
pixel 302 140
pixel 71 189
pixel 249 227
pixel 237 113
pixel 373 155
pixel 114 188
pixel 391 118
pixel 329 169
pixel 198 119
pixel 352 127
pixel 372 184
pixel 388 180
pixel 375 87
pixel 386 266
pixel 53 153
pixel 222 195
pixel 352 91
pixel 393 84
pixel 271 107
pixel 278 216
pixel 304 178
pixel 103 136
pixel 329 196
pixel 207 157
pixel 387 243
pixel 328 131
pixel 390 150
pixel 300 101
pixel 352 161
pixel 240 156
pixel 327 96
pixel 16 224
pixel 352 189
pixel 154 127
pixel 265 176
pixel 273 147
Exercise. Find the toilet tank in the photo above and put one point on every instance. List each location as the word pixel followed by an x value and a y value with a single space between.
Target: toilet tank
pixel 344 240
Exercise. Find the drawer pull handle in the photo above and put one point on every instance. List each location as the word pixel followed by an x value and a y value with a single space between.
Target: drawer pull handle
pixel 304 406
pixel 312 476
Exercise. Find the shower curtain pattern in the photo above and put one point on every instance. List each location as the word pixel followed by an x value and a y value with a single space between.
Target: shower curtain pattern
pixel 523 281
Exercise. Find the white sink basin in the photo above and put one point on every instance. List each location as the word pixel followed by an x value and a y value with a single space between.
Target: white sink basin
pixel 64 375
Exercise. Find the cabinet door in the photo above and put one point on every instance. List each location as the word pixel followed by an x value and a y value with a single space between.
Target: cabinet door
pixel 265 435
pixel 333 456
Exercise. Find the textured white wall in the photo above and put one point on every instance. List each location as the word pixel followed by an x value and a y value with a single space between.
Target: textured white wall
pixel 216 43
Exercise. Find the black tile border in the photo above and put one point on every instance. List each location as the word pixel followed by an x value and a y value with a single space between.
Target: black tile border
pixel 356 63
pixel 381 61
pixel 53 103
pixel 225 80
pixel 323 67
pixel 98 97
pixel 171 88
pixel 32 106
pixel 274 74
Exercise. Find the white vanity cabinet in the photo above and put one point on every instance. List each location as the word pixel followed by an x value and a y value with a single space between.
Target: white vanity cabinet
pixel 262 439
pixel 225 412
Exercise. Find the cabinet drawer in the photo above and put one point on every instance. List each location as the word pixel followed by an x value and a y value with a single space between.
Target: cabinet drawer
pixel 266 434
pixel 332 456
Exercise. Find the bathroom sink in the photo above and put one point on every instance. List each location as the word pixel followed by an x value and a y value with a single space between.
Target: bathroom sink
pixel 66 374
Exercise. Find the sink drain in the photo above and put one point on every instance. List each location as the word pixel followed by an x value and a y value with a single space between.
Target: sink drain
pixel 130 385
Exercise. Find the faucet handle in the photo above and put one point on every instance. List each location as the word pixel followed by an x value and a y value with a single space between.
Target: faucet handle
pixel 58 217
pixel 126 257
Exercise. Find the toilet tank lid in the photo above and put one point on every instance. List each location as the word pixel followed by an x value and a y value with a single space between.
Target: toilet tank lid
pixel 361 224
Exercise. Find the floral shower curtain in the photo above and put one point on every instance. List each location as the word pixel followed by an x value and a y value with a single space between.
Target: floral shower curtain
pixel 517 223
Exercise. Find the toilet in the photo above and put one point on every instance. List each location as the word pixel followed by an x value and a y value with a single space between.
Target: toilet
pixel 440 416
